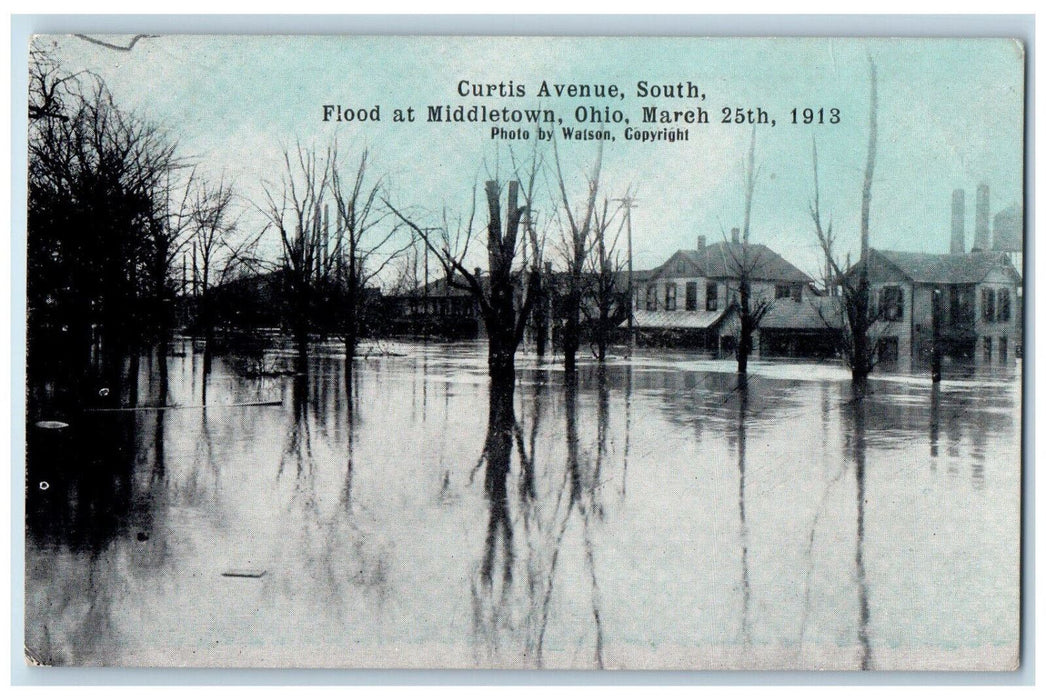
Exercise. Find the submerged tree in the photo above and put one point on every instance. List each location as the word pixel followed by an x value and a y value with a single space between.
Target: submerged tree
pixel 292 208
pixel 746 262
pixel 326 267
pixel 98 196
pixel 602 283
pixel 858 313
pixel 577 243
pixel 503 300
pixel 356 253
pixel 220 251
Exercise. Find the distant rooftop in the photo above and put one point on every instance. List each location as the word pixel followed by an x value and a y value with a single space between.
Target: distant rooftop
pixel 720 261
pixel 937 268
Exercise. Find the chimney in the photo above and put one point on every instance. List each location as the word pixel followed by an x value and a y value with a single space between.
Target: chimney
pixel 475 271
pixel 735 235
pixel 548 268
pixel 700 242
pixel 981 239
pixel 958 222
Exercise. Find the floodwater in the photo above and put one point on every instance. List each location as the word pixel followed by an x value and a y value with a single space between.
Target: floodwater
pixel 654 515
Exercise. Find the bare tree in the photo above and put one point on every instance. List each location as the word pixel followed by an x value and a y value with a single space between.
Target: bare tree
pixel 858 313
pixel 538 282
pixel 498 298
pixel 576 249
pixel 169 233
pixel 357 253
pixel 49 86
pixel 98 199
pixel 746 263
pixel 292 208
pixel 218 252
pixel 601 301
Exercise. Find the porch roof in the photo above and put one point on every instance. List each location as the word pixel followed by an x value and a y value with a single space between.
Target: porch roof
pixel 696 320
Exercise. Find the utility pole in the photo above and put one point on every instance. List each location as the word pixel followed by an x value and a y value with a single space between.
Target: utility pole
pixel 628 202
pixel 935 361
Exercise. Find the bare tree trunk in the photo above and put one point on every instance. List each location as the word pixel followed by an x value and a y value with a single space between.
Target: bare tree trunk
pixel 748 324
pixel 858 314
pixel 580 227
pixel 496 299
pixel 863 360
pixel 501 317
pixel 540 313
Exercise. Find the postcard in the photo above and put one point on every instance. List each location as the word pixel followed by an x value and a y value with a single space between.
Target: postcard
pixel 528 353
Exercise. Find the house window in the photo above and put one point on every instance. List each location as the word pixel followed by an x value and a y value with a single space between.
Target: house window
pixel 961 302
pixel 670 296
pixel 1004 309
pixel 691 296
pixel 988 304
pixel 987 348
pixel 1004 350
pixel 680 266
pixel 651 298
pixel 711 296
pixel 891 304
pixel 797 292
pixel 782 291
pixel 888 349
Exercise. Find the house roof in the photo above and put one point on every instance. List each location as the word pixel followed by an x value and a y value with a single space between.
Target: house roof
pixel 935 268
pixel 443 288
pixel 722 260
pixel 642 318
pixel 812 313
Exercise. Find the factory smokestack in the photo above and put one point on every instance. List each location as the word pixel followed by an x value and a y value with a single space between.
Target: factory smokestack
pixel 958 222
pixel 981 236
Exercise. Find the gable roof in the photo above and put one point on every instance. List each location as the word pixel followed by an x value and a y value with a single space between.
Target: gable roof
pixel 935 268
pixel 721 261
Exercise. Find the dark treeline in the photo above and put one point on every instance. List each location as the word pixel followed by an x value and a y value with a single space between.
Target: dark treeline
pixel 128 242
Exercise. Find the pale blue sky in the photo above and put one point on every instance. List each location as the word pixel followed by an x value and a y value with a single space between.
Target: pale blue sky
pixel 951 115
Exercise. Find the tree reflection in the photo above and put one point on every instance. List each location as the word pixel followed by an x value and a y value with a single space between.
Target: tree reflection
pixel 742 440
pixel 859 445
pixel 490 601
pixel 511 582
pixel 579 486
pixel 497 452
pixel 628 429
pixel 935 422
pixel 298 449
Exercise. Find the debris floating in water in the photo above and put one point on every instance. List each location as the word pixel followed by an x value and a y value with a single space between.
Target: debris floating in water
pixel 244 573
pixel 51 424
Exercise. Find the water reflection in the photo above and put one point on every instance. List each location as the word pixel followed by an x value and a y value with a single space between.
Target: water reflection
pixel 637 515
pixel 742 438
pixel 858 440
